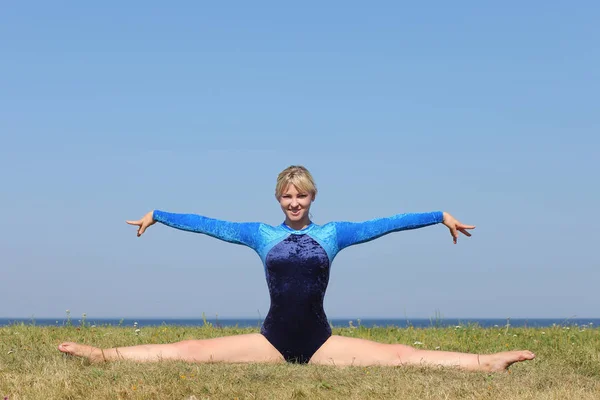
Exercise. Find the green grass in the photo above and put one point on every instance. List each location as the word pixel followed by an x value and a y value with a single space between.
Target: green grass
pixel 567 367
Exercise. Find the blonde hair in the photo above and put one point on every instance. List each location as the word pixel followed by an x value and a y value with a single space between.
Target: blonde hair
pixel 298 176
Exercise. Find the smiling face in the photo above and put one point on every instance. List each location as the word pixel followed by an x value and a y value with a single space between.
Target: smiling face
pixel 296 205
pixel 295 191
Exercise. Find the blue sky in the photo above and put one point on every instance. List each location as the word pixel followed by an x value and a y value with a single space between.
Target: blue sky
pixel 489 112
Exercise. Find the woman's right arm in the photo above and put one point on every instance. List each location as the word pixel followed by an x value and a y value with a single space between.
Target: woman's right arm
pixel 234 232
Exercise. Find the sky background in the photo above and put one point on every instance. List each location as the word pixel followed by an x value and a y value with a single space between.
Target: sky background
pixel 489 112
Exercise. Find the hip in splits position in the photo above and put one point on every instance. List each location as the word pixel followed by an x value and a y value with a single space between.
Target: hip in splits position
pixel 297 257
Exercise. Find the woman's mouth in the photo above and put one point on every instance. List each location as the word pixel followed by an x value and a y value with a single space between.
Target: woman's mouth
pixel 295 213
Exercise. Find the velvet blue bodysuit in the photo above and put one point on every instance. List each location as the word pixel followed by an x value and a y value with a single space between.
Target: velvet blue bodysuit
pixel 297 264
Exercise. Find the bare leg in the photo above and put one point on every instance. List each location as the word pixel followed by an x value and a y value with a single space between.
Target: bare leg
pixel 240 348
pixel 344 351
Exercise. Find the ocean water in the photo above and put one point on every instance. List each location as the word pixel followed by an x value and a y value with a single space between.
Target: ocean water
pixel 339 322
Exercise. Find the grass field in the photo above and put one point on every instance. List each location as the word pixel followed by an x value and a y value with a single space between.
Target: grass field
pixel 567 366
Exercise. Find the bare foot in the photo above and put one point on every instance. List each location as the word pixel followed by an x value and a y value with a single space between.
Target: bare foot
pixel 94 354
pixel 501 361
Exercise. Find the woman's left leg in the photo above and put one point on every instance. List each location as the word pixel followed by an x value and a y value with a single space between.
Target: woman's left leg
pixel 345 351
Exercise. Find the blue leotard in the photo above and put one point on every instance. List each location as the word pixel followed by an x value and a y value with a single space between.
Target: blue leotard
pixel 297 264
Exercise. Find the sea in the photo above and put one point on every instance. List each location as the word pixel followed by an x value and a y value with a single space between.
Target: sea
pixel 336 322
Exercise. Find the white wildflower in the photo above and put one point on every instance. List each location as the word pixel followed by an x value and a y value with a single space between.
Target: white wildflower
pixel 417 343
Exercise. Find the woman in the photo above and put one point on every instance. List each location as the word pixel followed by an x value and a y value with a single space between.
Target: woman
pixel 297 256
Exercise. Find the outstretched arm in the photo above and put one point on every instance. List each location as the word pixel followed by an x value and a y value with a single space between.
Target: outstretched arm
pixel 233 232
pixel 350 233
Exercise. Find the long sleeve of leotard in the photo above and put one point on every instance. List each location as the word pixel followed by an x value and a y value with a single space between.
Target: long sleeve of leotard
pixel 245 233
pixel 350 233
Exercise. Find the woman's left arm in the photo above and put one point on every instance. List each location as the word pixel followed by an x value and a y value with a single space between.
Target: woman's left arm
pixel 456 226
pixel 351 233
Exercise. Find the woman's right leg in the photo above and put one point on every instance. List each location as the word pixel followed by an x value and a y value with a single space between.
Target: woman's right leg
pixel 235 349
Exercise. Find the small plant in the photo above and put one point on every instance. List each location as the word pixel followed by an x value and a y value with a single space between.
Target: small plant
pixel 205 321
pixel 437 320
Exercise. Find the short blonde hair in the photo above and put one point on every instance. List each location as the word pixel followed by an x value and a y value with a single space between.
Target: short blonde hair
pixel 298 176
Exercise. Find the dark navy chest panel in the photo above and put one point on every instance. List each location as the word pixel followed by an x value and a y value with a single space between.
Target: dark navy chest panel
pixel 298 269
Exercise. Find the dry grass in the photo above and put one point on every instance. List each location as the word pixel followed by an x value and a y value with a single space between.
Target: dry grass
pixel 567 367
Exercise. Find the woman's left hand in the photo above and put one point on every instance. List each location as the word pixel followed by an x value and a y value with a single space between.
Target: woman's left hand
pixel 455 226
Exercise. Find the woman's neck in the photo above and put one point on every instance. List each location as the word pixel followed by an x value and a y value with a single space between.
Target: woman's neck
pixel 298 225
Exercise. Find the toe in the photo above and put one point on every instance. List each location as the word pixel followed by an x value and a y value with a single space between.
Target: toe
pixel 67 347
pixel 527 355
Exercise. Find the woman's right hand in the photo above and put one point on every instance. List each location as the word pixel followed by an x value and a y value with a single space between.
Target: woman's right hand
pixel 146 221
